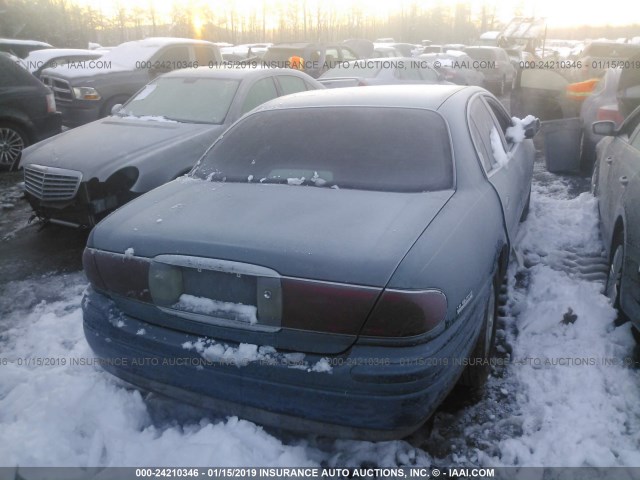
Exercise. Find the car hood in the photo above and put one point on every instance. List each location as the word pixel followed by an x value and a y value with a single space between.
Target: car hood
pixel 348 236
pixel 99 148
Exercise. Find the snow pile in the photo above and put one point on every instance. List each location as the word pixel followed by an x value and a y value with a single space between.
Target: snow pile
pixel 516 132
pixel 246 353
pixel 498 149
pixel 68 412
pixel 577 395
pixel 207 306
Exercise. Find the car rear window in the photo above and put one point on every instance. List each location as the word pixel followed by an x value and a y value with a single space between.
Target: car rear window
pixel 480 53
pixel 363 148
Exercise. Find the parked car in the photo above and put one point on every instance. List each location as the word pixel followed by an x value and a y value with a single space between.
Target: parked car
pixel 155 137
pixel 27 111
pixel 405 49
pixel 597 57
pixel 617 187
pixel 317 57
pixel 494 63
pixel 385 52
pixel 455 67
pixel 327 266
pixel 38 60
pixel 387 71
pixel 21 48
pixel 87 94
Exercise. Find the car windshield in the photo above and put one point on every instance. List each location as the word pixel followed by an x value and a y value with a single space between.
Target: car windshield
pixel 184 99
pixel 360 68
pixel 363 148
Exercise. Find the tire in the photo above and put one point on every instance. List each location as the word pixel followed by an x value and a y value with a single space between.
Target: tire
pixel 614 277
pixel 13 140
pixel 475 376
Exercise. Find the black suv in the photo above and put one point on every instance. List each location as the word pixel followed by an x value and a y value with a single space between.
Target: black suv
pixel 86 91
pixel 27 111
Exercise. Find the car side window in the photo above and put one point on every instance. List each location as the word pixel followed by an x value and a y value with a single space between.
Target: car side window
pixel 171 58
pixel 503 120
pixel 290 84
pixel 331 57
pixel 205 55
pixel 261 91
pixel 408 72
pixel 429 75
pixel 480 147
pixel 485 123
pixel 348 55
pixel 636 138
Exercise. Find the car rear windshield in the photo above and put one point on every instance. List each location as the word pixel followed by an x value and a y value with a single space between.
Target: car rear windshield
pixel 364 148
pixel 184 99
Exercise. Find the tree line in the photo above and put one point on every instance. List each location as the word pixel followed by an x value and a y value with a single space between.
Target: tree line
pixel 64 23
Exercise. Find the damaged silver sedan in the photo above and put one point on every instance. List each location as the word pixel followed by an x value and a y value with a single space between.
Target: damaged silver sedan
pixel 80 176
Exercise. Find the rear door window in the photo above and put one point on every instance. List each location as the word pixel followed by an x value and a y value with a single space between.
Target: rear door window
pixel 261 91
pixel 290 84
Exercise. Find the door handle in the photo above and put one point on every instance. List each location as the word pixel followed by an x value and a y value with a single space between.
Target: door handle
pixel 624 180
pixel 608 160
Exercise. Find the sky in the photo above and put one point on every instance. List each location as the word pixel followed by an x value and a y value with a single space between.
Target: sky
pixel 559 13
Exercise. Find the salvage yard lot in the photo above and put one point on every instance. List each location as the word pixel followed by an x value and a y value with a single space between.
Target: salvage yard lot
pixel 565 396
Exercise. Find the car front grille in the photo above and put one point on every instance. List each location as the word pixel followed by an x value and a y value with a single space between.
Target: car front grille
pixel 61 88
pixel 50 183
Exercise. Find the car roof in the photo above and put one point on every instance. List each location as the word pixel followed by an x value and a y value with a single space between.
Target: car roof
pixel 408 96
pixel 162 41
pixel 17 41
pixel 231 72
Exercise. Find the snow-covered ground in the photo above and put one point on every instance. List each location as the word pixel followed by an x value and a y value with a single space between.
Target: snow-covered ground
pixel 567 397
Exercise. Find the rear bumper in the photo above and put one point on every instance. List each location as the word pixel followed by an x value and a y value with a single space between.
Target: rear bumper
pixel 370 392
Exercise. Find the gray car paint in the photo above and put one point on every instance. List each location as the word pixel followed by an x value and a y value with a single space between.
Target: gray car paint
pixel 368 238
pixel 619 157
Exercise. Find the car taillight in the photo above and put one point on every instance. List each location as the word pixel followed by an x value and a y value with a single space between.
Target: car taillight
pixel 610 112
pixel 406 313
pixel 51 103
pixel 121 274
pixel 325 307
pixel 362 83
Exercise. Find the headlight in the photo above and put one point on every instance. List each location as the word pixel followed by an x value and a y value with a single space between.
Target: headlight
pixel 86 93
pixel 165 284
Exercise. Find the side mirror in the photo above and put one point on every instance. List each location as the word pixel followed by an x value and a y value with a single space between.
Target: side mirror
pixel 116 108
pixel 605 127
pixel 532 128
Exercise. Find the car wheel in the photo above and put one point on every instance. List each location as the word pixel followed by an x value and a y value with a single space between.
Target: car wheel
pixel 476 373
pixel 13 140
pixel 614 278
